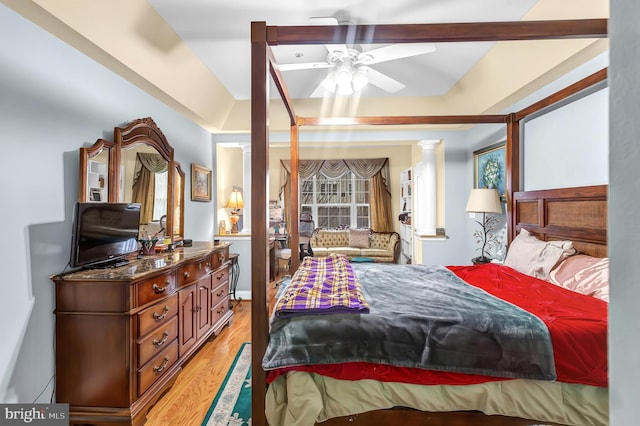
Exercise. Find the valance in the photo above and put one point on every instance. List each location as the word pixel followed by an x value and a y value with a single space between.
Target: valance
pixel 333 169
pixel 152 162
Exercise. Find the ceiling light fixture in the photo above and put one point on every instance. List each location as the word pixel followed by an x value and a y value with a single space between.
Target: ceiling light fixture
pixel 346 78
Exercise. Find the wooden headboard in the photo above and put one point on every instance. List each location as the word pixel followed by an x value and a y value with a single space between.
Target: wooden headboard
pixel 578 214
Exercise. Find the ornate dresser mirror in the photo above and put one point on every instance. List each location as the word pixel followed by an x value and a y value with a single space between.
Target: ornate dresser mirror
pixel 97 165
pixel 138 167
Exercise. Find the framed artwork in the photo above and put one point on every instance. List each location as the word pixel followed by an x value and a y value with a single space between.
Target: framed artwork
pixel 489 167
pixel 200 183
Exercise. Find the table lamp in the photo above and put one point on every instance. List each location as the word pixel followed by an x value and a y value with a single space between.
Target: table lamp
pixel 235 203
pixel 484 200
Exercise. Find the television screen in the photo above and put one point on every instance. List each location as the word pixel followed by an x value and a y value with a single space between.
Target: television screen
pixel 103 232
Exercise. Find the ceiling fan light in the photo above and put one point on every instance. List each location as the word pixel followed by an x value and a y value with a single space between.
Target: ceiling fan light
pixel 359 80
pixel 345 89
pixel 329 83
pixel 343 76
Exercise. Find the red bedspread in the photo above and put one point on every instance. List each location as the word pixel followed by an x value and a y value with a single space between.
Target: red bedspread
pixel 577 324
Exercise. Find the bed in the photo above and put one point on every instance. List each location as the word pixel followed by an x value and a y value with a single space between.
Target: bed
pixel 576 214
pixel 441 344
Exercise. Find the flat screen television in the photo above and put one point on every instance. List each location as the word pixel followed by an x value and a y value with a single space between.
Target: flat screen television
pixel 104 234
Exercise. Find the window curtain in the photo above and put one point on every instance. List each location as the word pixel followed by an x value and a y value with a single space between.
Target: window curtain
pixel 376 170
pixel 143 188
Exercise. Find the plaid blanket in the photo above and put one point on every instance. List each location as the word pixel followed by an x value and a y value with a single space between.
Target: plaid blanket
pixel 322 285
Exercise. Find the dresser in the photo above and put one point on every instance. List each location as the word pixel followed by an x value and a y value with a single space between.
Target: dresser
pixel 122 334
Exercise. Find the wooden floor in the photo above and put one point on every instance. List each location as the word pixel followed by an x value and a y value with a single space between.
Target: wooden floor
pixel 187 402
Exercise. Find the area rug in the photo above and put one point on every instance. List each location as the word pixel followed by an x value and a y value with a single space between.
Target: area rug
pixel 232 404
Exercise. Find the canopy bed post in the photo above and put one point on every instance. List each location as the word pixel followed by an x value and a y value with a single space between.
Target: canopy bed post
pixel 259 231
pixel 293 198
pixel 512 172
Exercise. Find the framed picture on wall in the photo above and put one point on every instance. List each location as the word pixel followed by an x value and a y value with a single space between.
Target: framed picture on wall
pixel 489 167
pixel 200 183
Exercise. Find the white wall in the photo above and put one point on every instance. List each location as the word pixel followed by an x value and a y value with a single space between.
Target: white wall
pixel 570 145
pixel 53 101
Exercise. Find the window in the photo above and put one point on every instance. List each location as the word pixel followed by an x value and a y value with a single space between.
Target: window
pixel 342 201
pixel 160 201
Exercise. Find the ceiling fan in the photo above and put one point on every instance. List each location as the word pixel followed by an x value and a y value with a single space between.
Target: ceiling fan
pixel 349 66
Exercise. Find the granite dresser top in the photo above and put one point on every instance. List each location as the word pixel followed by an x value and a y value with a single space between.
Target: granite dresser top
pixel 140 267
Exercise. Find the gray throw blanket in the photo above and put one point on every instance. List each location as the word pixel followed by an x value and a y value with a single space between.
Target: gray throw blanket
pixel 420 316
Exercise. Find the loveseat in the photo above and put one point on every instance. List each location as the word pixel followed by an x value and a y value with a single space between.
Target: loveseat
pixel 363 243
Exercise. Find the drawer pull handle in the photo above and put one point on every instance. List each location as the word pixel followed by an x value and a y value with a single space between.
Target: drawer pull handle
pixel 220 294
pixel 220 311
pixel 187 274
pixel 219 277
pixel 159 369
pixel 221 258
pixel 159 289
pixel 157 343
pixel 164 313
pixel 197 309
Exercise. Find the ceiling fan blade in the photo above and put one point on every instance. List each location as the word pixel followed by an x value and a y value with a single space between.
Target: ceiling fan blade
pixel 395 51
pixel 323 20
pixel 303 66
pixel 383 81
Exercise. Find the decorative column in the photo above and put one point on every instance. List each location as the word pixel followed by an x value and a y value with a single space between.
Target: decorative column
pixel 246 187
pixel 424 214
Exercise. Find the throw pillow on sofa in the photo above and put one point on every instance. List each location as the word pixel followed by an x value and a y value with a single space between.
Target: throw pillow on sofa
pixel 359 238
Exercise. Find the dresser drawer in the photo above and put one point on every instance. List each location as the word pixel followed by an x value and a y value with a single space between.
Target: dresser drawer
pixel 218 311
pixel 193 271
pixel 158 366
pixel 219 293
pixel 219 257
pixel 154 342
pixel 155 288
pixel 160 313
pixel 219 277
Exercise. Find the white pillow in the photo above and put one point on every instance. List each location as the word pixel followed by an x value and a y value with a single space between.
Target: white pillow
pixel 534 257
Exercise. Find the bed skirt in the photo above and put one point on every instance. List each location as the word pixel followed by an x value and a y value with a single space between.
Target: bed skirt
pixel 302 399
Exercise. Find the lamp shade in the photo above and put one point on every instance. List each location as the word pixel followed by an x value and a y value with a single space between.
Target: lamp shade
pixel 484 200
pixel 235 201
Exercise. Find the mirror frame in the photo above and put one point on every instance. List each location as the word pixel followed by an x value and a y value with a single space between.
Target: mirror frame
pixel 86 153
pixel 145 131
pixel 177 169
pixel 140 131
